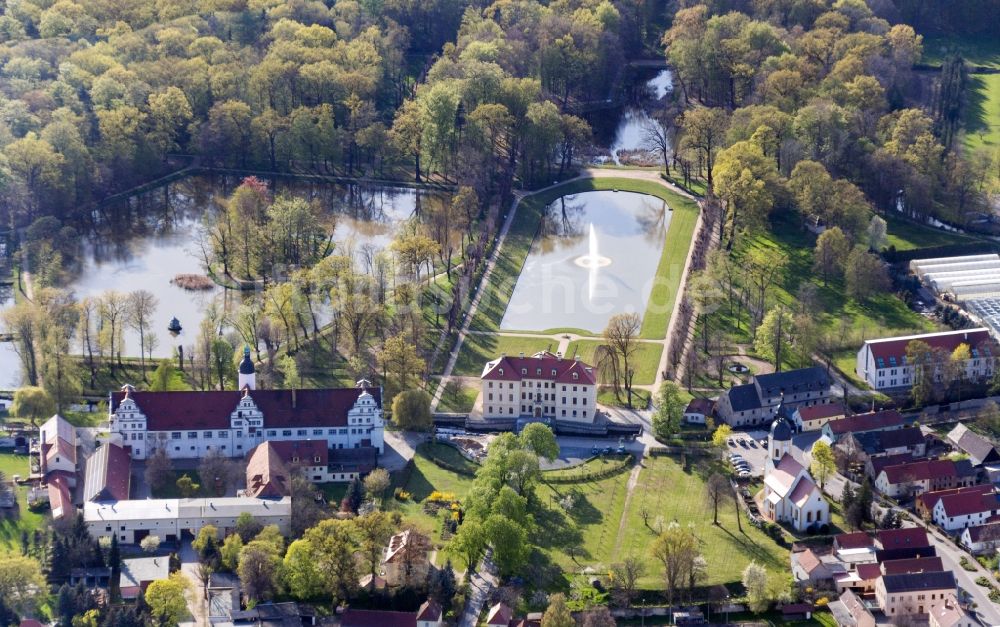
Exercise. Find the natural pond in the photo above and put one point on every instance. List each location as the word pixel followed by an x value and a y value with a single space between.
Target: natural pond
pixel 630 135
pixel 153 237
pixel 596 256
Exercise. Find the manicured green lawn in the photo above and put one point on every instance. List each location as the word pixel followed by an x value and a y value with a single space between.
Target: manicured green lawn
pixel 606 396
pixel 426 477
pixel 846 360
pixel 595 464
pixel 589 529
pixel 845 321
pixel 461 402
pixel 907 235
pixel 15 521
pixel 667 491
pixel 170 490
pixel 982 114
pixel 646 358
pixel 481 348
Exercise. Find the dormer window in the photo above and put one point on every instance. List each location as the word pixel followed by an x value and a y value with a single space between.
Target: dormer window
pixel 295 460
pixel 553 372
pixel 576 376
pixel 501 372
pixel 316 459
pixel 538 371
pixel 524 371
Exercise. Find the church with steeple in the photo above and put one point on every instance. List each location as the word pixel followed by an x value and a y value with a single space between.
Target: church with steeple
pixel 790 494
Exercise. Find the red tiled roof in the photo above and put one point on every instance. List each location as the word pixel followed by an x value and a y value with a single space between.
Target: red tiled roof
pixel 266 474
pixel 700 406
pixel 989 531
pixel 108 474
pixel 211 409
pixel 302 452
pixel 912 565
pixel 949 341
pixel 869 572
pixel 969 503
pixel 60 502
pixel 541 365
pixel 920 470
pixel 429 611
pixel 500 614
pixel 930 499
pixel 826 410
pixel 914 537
pixel 377 618
pixel 866 422
pixel 856 540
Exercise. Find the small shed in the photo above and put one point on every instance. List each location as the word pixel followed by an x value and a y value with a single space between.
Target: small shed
pixel 797 611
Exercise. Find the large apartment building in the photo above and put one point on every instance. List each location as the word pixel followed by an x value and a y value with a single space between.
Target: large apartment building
pixel 192 424
pixel 544 385
pixel 882 362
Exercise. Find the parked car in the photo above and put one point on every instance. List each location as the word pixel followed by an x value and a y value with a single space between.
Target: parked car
pixel 753 444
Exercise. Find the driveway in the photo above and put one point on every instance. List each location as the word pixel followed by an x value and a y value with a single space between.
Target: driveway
pixel 748 446
pixel 481 585
pixel 196 593
pixel 400 447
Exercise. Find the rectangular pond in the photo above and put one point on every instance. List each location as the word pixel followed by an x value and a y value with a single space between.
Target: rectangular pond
pixel 595 256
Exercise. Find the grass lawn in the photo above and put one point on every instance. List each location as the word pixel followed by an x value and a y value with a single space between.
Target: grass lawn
pixel 460 402
pixel 481 348
pixel 170 490
pixel 518 244
pixel 904 234
pixel 982 114
pixel 646 358
pixel 845 320
pixel 14 522
pixel 606 396
pixel 594 464
pixel 589 530
pixel 846 360
pixel 666 490
pixel 426 477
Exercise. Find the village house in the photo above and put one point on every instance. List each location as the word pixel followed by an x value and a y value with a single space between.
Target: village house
pixel 138 572
pixel 954 512
pixel 981 539
pixel 813 417
pixel 315 461
pixel 910 479
pixel 698 410
pixel 854 548
pixel 875 465
pixel 913 593
pixel 882 362
pixel 188 425
pixel 950 613
pixel 850 611
pixel 406 559
pixel 886 420
pixel 790 494
pixel 925 503
pixel 428 615
pixel 900 544
pixel 863 446
pixel 757 402
pixel 267 475
pixel 980 449
pixel 817 571
pixel 544 385
pixel 132 521
pixel 57 450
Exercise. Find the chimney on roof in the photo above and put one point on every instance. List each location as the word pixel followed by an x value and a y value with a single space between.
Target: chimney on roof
pixel 503 354
pixel 559 355
pixel 522 354
pixel 576 358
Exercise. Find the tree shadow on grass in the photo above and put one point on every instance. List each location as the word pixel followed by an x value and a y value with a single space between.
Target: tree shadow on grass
pixel 418 485
pixel 748 546
pixel 975 117
pixel 555 531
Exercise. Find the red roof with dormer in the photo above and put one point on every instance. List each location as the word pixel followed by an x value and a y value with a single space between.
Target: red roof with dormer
pixel 542 365
pixel 913 537
pixel 825 410
pixel 887 419
pixel 856 540
pixel 211 409
pixel 969 503
pixel 895 347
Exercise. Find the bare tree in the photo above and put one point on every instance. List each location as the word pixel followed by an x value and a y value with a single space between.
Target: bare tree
pixel 140 310
pixel 718 490
pixel 625 577
pixel 113 307
pixel 622 338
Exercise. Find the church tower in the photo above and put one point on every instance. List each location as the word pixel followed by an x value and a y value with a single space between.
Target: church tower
pixel 248 376
pixel 779 440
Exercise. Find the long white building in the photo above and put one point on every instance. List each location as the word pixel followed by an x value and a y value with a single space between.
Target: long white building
pixel 192 424
pixel 541 386
pixel 968 277
pixel 882 362
pixel 167 519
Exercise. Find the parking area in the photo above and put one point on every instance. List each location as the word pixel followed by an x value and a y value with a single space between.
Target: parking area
pixel 752 447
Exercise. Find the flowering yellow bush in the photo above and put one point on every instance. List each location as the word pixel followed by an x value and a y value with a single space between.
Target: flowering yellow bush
pixel 441 497
pixel 402 495
pixel 822 602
